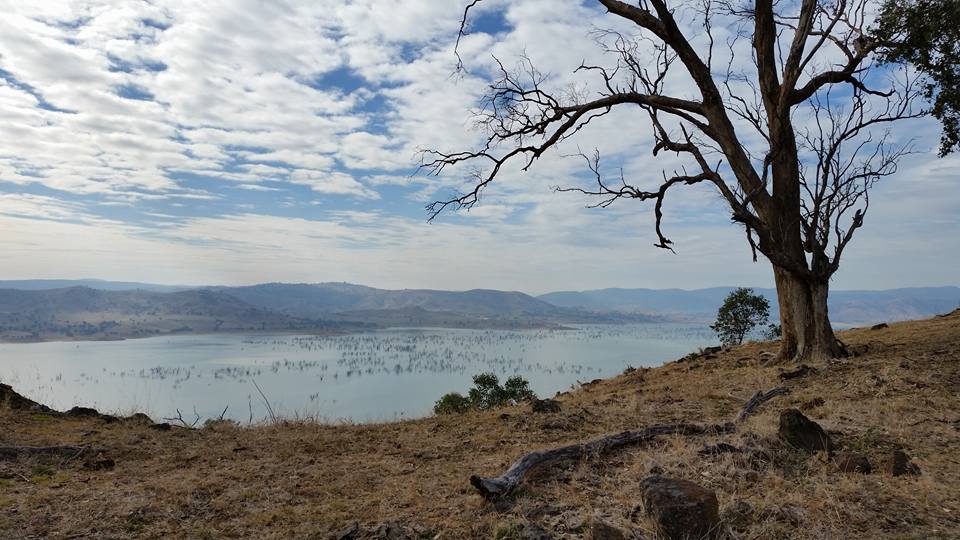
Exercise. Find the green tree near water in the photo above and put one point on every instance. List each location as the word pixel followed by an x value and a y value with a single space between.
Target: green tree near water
pixel 487 393
pixel 741 312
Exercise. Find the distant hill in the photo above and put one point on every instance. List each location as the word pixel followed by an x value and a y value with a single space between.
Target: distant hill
pixel 86 313
pixel 99 284
pixel 36 310
pixel 846 307
pixel 314 300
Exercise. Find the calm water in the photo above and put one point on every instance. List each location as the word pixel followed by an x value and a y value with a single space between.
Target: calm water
pixel 381 375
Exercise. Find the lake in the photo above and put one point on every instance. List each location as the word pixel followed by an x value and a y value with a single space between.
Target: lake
pixel 383 375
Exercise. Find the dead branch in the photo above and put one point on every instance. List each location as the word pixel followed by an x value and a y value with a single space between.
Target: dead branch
pixel 183 422
pixel 759 399
pixel 508 481
pixel 502 485
pixel 70 451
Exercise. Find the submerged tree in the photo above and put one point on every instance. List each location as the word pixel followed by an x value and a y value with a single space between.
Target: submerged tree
pixel 788 120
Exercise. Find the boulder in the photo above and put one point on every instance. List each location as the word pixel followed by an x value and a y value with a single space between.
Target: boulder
pixel 852 462
pixel 545 406
pixel 899 464
pixel 803 433
pixel 603 530
pixel 880 326
pixel 739 515
pixel 10 398
pixel 680 509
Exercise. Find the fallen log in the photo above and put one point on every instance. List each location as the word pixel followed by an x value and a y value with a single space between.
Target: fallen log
pixel 13 452
pixel 502 485
pixel 508 481
pixel 759 399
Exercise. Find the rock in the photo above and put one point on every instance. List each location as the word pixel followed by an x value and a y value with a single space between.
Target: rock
pixel 880 326
pixel 83 412
pixel 532 531
pixel 680 509
pixel 899 464
pixel 350 532
pixel 387 531
pixel 545 406
pixel 602 530
pixel 812 404
pixel 852 462
pixel 719 448
pixel 103 464
pixel 11 399
pixel 766 357
pixel 803 433
pixel 87 412
pixel 711 350
pixel 801 371
pixel 574 522
pixel 739 515
pixel 139 418
pixel 163 426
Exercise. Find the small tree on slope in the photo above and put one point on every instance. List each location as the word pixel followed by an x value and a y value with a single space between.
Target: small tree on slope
pixel 741 312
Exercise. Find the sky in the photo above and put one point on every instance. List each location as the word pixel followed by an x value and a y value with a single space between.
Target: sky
pixel 240 141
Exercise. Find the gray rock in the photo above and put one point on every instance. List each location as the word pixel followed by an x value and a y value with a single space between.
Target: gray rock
pixel 739 515
pixel 899 464
pixel 545 406
pixel 803 433
pixel 680 509
pixel 852 462
pixel 602 530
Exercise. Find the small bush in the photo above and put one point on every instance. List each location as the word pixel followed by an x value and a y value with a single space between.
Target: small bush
pixel 486 394
pixel 452 403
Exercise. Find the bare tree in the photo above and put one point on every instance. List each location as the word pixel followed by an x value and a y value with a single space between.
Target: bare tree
pixel 800 78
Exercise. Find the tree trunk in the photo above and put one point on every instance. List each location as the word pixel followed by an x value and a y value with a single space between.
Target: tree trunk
pixel 805 323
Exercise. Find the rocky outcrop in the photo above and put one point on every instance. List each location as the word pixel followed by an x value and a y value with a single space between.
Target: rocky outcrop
pixel 803 433
pixel 680 509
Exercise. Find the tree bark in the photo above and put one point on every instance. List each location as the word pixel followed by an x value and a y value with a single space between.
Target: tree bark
pixel 807 335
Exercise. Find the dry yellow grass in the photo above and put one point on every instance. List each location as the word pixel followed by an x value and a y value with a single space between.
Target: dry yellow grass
pixel 301 480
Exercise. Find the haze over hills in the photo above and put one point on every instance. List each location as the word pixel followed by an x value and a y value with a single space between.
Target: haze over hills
pixel 846 307
pixel 72 309
pixel 86 313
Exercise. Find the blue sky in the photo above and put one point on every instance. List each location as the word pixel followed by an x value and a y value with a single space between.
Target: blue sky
pixel 243 141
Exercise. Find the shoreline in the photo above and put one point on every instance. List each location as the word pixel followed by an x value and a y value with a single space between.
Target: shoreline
pixel 6 340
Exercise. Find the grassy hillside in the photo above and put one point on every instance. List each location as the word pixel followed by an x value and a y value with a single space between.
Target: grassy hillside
pixel 305 480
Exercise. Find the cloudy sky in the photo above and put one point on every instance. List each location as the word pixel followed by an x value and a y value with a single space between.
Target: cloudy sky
pixel 242 141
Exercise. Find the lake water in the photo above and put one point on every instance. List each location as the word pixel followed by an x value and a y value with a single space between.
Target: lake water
pixel 383 375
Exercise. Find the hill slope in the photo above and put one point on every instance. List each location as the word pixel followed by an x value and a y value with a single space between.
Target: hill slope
pixel 303 479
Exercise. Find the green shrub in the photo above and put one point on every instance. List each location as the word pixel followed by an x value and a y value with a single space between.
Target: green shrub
pixel 741 311
pixel 452 403
pixel 486 394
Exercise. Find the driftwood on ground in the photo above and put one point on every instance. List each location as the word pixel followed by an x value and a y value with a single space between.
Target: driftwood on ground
pixel 508 481
pixel 13 452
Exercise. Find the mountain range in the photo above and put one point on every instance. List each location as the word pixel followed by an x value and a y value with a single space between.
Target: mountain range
pixel 34 310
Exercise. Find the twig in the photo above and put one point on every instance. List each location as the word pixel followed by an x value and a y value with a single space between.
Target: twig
pixel 273 417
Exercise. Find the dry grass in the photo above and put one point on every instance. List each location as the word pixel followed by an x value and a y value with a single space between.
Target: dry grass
pixel 304 480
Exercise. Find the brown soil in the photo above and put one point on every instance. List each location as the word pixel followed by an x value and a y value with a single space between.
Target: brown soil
pixel 302 480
